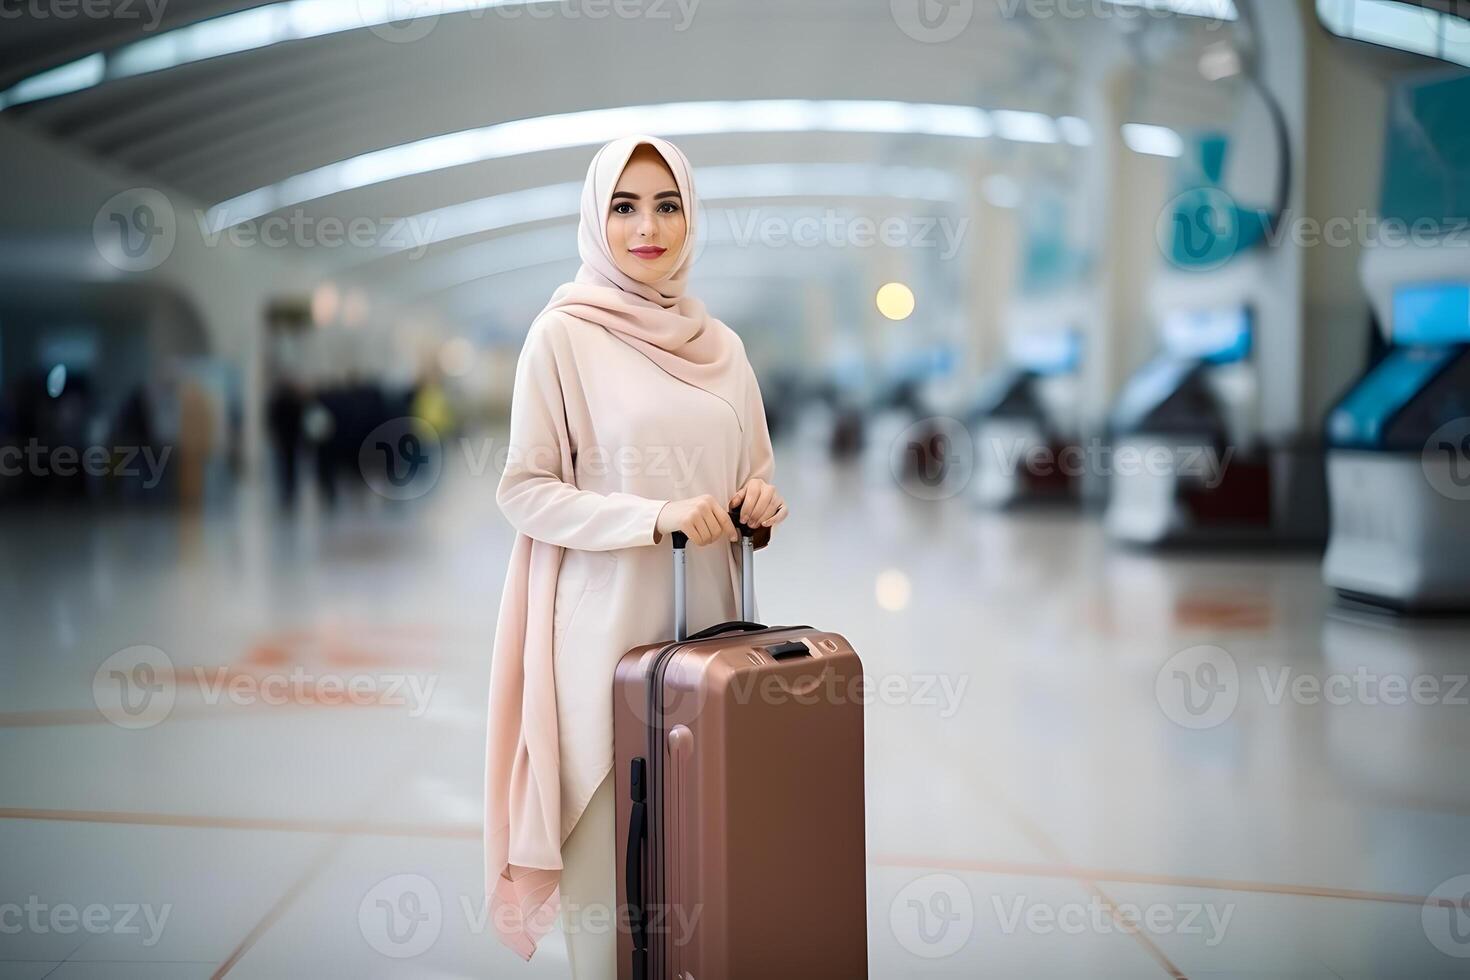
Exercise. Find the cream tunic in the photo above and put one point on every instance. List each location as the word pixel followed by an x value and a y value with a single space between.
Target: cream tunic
pixel 640 438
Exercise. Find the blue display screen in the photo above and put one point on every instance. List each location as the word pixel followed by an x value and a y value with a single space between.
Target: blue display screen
pixel 1219 336
pixel 1047 352
pixel 1359 422
pixel 1148 389
pixel 1431 313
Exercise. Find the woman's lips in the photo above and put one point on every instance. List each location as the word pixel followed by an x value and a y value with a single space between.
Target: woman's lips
pixel 648 251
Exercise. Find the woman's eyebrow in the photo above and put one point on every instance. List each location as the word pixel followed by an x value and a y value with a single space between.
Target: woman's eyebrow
pixel 634 197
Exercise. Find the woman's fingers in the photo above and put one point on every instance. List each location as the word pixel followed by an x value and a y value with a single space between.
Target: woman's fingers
pixel 765 506
pixel 707 527
pixel 741 500
pixel 781 514
pixel 725 528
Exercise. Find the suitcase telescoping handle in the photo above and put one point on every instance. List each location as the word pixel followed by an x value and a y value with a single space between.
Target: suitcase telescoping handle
pixel 681 582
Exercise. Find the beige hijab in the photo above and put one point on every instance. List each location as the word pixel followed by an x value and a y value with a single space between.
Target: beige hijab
pixel 523 814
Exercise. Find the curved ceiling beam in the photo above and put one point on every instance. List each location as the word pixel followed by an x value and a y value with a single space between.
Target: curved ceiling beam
pixel 593 126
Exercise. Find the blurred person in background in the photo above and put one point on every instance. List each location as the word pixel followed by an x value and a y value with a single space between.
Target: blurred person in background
pixel 283 416
pixel 635 414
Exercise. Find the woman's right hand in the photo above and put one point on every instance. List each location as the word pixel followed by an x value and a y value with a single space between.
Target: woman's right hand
pixel 704 519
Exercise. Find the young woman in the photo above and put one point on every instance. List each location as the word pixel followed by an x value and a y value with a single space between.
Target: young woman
pixel 635 414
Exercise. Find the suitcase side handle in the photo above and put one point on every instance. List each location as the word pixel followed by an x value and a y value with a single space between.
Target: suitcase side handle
pixel 633 869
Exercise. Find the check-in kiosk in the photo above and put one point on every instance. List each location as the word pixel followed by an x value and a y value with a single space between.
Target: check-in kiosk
pixel 1200 452
pixel 1399 463
pixel 1025 422
pixel 1399 440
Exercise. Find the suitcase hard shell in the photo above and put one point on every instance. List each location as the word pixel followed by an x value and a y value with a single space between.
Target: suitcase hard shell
pixel 738 761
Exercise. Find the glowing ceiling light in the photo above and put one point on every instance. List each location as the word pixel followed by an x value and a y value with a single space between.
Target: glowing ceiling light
pixel 590 127
pixel 1204 9
pixel 892 590
pixel 895 301
pixel 62 80
pixel 249 30
pixel 1159 141
pixel 1025 127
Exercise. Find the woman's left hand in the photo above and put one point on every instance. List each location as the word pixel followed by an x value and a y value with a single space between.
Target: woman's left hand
pixel 760 505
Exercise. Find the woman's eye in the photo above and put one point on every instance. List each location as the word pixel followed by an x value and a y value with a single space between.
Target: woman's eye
pixel 669 207
pixel 623 207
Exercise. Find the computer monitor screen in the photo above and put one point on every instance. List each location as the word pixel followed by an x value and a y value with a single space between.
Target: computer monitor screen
pixel 1048 352
pixel 1431 313
pixel 1148 389
pixel 1220 336
pixel 1361 421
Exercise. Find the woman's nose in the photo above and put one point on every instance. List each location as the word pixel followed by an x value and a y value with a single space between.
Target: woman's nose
pixel 646 225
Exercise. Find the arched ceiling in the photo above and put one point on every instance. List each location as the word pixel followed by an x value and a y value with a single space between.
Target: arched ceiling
pixel 217 128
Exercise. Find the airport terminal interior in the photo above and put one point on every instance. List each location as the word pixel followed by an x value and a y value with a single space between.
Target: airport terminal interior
pixel 1116 359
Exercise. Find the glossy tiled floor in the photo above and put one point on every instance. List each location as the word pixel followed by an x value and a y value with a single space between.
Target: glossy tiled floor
pixel 1052 793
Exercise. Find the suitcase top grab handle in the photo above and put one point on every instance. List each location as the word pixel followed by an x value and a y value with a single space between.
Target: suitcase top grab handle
pixel 747 581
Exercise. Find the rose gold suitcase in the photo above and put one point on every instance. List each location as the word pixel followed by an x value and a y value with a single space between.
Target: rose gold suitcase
pixel 738 754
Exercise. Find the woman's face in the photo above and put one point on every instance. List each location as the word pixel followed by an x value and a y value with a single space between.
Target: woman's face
pixel 646 223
